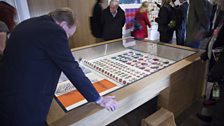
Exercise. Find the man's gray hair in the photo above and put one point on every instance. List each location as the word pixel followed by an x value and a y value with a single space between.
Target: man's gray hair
pixel 64 14
pixel 114 2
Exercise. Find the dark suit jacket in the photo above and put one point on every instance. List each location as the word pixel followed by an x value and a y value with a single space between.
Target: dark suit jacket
pixel 36 53
pixel 112 26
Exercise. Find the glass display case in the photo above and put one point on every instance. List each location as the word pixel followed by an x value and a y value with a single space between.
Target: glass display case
pixel 115 65
pixel 125 68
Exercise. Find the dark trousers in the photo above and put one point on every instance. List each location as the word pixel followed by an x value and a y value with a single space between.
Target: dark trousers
pixel 166 36
pixel 218 112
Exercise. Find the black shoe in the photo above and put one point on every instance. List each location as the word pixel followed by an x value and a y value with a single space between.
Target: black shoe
pixel 204 118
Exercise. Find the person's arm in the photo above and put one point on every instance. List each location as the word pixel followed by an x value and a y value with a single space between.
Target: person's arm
pixel 57 48
pixel 146 19
pixel 3 38
pixel 158 5
pixel 58 51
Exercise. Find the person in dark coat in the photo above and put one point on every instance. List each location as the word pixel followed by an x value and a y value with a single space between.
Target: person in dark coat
pixel 163 19
pixel 36 54
pixel 3 37
pixel 216 74
pixel 180 32
pixel 215 71
pixel 113 19
pixel 96 26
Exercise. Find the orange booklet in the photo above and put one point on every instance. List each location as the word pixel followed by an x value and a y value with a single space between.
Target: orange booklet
pixel 73 98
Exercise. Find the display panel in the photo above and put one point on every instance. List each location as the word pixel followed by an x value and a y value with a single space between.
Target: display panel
pixel 128 66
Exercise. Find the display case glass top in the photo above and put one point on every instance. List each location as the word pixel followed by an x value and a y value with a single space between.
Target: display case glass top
pixel 168 51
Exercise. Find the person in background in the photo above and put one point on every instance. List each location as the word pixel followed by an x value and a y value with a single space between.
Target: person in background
pixel 197 23
pixel 141 22
pixel 96 26
pixel 216 75
pixel 217 23
pixel 113 19
pixel 163 19
pixel 180 32
pixel 8 15
pixel 36 54
pixel 7 23
pixel 215 70
pixel 3 37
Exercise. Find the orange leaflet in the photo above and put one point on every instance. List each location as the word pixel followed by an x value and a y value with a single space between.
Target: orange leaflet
pixel 74 96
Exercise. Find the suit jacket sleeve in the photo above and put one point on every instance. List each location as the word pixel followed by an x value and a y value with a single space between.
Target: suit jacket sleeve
pixel 146 19
pixel 57 49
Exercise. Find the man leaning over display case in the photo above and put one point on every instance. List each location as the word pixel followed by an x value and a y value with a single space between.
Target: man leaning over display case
pixel 36 54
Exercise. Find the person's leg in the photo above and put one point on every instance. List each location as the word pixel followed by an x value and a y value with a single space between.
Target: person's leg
pixel 162 36
pixel 218 113
pixel 166 36
pixel 182 38
pixel 178 36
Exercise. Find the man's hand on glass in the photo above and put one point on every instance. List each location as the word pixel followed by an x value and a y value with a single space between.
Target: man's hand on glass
pixel 108 102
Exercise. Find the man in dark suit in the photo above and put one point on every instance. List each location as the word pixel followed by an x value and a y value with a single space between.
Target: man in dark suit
pixel 113 19
pixel 36 54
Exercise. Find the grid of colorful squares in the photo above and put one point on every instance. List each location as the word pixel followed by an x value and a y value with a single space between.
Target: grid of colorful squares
pixel 128 66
